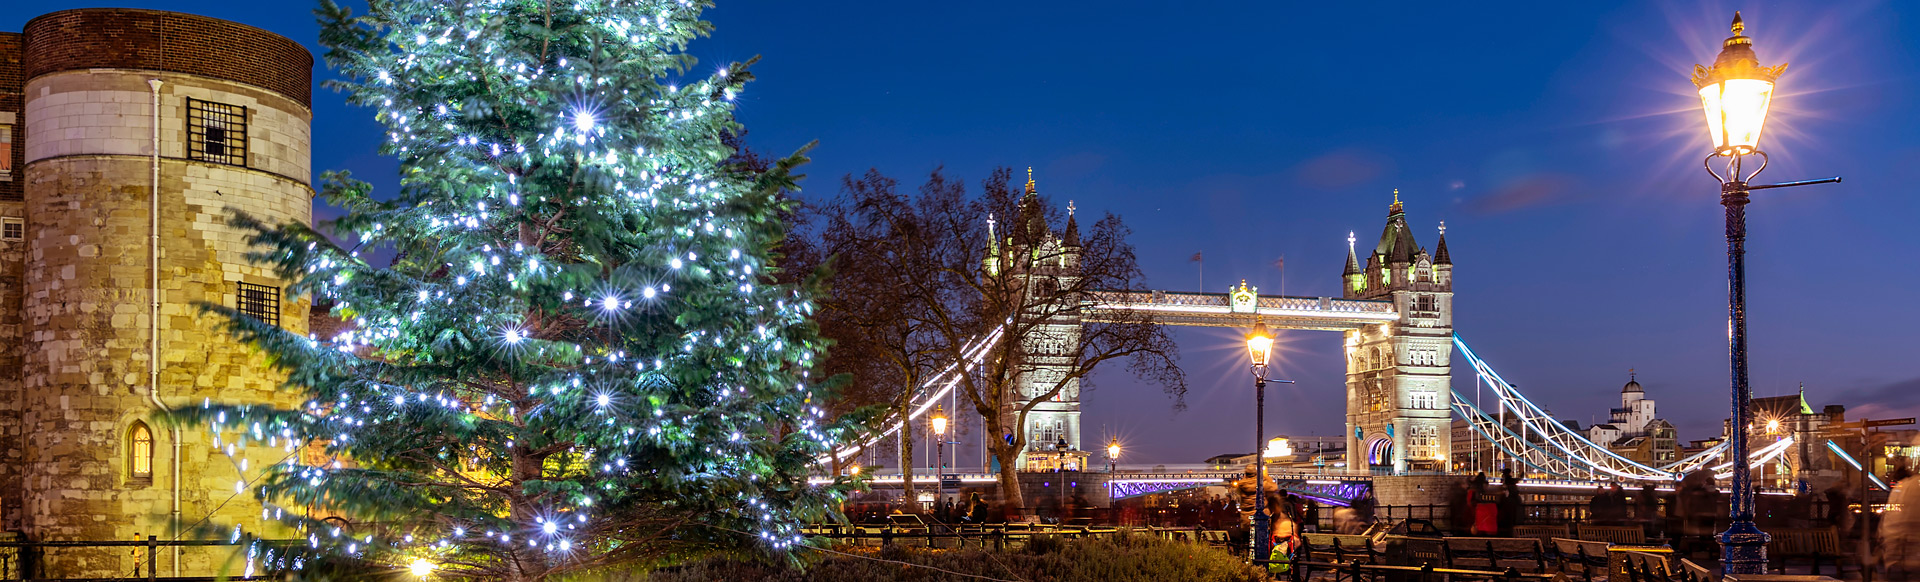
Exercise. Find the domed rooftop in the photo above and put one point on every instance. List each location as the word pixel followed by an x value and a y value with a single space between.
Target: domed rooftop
pixel 1632 385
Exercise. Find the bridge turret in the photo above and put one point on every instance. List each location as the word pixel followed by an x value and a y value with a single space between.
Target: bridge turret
pixel 1399 386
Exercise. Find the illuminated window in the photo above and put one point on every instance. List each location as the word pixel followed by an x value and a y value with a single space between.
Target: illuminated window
pixel 216 132
pixel 140 451
pixel 1424 400
pixel 1423 442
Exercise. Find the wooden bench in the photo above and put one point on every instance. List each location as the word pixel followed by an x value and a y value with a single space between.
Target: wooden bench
pixel 1816 546
pixel 1643 564
pixel 1523 554
pixel 1691 572
pixel 1216 538
pixel 1415 551
pixel 1544 533
pixel 1581 557
pixel 1340 548
pixel 1614 534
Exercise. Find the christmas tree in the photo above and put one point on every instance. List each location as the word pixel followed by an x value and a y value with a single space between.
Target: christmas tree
pixel 578 357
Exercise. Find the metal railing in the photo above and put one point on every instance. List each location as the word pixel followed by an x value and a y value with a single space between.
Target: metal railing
pixel 27 560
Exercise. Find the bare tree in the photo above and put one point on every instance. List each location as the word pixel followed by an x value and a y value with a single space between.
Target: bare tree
pixel 1011 263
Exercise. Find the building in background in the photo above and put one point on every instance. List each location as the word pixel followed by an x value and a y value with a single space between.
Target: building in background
pixel 1634 430
pixel 86 281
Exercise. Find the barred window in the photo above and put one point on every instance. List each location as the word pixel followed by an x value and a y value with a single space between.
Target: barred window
pixel 13 229
pixel 216 132
pixel 260 302
pixel 139 451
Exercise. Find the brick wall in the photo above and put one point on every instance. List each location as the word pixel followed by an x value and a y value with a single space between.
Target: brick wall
pixel 12 82
pixel 167 41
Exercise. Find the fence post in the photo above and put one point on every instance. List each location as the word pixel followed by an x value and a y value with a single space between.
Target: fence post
pixel 153 559
pixel 1426 571
pixel 1512 574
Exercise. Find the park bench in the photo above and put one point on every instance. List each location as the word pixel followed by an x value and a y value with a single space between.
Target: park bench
pixel 1523 554
pixel 1581 558
pixel 1340 548
pixel 1816 546
pixel 1216 538
pixel 1616 534
pixel 1544 533
pixel 1415 551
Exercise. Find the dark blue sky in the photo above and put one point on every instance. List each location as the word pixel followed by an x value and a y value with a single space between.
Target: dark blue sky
pixel 1561 142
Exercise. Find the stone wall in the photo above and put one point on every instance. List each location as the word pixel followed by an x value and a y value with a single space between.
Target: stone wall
pixel 74 294
pixel 1415 489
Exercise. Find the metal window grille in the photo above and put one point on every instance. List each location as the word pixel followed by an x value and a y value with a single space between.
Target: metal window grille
pixel 260 302
pixel 216 132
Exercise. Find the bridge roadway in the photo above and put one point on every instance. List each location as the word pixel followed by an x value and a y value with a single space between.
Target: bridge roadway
pixel 1336 489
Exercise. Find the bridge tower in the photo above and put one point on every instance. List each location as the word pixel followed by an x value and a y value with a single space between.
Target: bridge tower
pixel 1399 377
pixel 1043 264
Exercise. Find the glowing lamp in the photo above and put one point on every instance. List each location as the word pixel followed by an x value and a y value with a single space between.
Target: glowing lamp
pixel 1278 447
pixel 1734 93
pixel 1113 449
pixel 1259 345
pixel 420 567
pixel 939 421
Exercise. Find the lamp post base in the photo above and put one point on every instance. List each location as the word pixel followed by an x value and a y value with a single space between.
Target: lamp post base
pixel 1743 549
pixel 1260 535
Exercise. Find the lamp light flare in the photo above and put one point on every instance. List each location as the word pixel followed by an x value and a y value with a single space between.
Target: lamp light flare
pixel 583 121
pixel 610 302
pixel 1259 345
pixel 420 568
pixel 514 336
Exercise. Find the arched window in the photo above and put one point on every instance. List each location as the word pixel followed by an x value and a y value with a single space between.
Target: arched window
pixel 1375 362
pixel 139 451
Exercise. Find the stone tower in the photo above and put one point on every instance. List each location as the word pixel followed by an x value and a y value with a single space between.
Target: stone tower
pixel 1043 264
pixel 105 105
pixel 1399 379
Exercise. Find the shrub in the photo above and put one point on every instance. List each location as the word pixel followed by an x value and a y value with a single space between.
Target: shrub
pixel 1121 558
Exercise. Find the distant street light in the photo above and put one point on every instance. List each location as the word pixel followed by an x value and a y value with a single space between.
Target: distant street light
pixel 1113 453
pixel 1735 94
pixel 939 451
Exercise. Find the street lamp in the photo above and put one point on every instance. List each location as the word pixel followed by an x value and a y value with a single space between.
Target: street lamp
pixel 939 451
pixel 1060 474
pixel 1259 349
pixel 1113 452
pixel 1735 93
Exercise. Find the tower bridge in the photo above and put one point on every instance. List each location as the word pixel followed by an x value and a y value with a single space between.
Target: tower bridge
pixel 1396 315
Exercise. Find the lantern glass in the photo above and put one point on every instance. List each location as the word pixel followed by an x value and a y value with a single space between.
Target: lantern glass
pixel 1736 112
pixel 1259 345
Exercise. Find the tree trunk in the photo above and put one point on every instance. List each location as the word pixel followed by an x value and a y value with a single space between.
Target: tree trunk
pixel 906 467
pixel 1009 478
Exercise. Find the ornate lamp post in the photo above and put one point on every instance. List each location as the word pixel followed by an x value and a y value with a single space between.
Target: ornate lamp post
pixel 1113 453
pixel 1735 93
pixel 1259 349
pixel 939 452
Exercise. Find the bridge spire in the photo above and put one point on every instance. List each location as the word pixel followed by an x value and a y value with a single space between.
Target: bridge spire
pixel 1440 256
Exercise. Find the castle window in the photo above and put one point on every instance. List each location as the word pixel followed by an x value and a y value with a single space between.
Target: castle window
pixel 13 229
pixel 140 451
pixel 259 302
pixel 1424 400
pixel 216 132
pixel 1423 442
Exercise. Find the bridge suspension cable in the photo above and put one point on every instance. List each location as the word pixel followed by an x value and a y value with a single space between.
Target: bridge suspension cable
pixel 933 389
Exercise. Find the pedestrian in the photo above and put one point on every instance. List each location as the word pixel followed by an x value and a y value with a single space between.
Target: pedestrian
pixel 1899 548
pixel 1486 511
pixel 1460 508
pixel 1510 503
